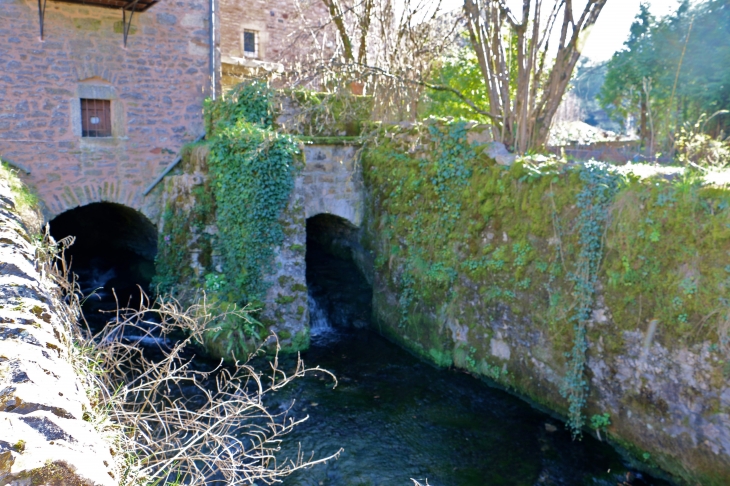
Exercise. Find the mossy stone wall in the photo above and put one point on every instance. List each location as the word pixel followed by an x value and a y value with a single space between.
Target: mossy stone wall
pixel 518 273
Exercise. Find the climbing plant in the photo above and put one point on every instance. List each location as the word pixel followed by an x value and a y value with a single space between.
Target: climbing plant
pixel 253 169
pixel 600 185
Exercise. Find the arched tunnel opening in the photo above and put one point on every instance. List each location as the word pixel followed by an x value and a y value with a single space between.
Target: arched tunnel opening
pixel 113 254
pixel 337 287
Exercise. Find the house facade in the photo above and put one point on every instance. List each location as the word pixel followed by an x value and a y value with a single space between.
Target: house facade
pixel 270 37
pixel 97 98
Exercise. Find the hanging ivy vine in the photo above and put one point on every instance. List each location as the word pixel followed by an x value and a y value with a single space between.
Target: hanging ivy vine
pixel 253 169
pixel 600 185
pixel 444 177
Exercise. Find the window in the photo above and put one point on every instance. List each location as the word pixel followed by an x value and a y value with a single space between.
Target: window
pixel 96 118
pixel 248 39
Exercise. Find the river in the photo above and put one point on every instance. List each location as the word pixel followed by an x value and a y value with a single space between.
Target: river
pixel 398 418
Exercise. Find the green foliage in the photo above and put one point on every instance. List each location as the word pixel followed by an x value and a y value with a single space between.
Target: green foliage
pixel 462 73
pixel 462 241
pixel 24 197
pixel 248 103
pixel 696 148
pixel 235 334
pixel 253 169
pixel 447 212
pixel 175 238
pixel 331 118
pixel 599 187
pixel 215 282
pixel 601 421
pixel 680 278
pixel 642 76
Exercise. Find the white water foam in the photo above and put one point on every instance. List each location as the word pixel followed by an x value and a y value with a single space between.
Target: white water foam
pixel 319 323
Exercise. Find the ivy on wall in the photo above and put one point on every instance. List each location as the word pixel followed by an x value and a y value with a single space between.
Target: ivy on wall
pixel 467 246
pixel 600 185
pixel 253 169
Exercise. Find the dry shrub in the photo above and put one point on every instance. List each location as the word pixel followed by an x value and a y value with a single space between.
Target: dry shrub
pixel 698 149
pixel 170 423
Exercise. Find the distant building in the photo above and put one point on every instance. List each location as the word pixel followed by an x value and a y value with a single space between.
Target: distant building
pixel 269 36
pixel 98 96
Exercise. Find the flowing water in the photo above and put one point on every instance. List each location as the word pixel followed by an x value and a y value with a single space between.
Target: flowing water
pixel 398 418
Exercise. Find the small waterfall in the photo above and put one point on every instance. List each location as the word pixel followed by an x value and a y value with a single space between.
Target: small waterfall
pixel 319 323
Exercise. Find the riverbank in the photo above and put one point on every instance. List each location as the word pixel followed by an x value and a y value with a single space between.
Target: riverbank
pixel 47 433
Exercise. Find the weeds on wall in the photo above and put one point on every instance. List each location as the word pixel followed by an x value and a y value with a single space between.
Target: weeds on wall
pixel 253 169
pixel 467 246
pixel 26 202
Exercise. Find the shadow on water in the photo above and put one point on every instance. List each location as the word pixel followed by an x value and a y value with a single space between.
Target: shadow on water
pixel 399 418
pixel 113 253
pixel 395 416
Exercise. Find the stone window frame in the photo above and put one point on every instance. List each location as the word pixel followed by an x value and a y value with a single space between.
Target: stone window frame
pixel 255 52
pixel 98 91
pixel 262 39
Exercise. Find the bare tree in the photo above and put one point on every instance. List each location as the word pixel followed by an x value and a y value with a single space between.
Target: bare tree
pixel 525 76
pixel 386 46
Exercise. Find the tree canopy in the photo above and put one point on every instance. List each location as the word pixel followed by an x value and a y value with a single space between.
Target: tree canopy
pixel 672 70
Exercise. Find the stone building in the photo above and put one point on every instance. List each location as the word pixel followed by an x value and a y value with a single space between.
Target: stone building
pixel 266 37
pixel 97 97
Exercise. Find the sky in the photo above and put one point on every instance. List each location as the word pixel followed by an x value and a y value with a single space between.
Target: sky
pixel 612 26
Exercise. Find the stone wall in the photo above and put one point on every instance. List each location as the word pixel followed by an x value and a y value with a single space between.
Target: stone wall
pixel 282 27
pixel 44 437
pixel 482 266
pixel 330 183
pixel 156 85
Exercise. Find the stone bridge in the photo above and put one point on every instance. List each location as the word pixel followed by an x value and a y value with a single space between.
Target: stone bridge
pixel 329 191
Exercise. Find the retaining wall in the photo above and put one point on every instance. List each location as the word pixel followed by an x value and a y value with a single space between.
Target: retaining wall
pixel 44 437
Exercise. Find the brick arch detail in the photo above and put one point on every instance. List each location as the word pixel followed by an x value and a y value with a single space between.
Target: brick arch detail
pixel 68 197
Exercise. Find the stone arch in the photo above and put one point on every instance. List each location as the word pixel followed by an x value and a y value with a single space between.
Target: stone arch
pixel 117 225
pixel 338 286
pixel 59 199
pixel 115 247
pixel 336 233
pixel 331 183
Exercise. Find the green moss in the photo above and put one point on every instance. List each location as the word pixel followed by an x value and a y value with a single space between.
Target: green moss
pixel 285 299
pixel 459 241
pixel 326 116
pixel 667 260
pixel 298 288
pixel 284 334
pixel 26 200
pixel 441 358
pixel 299 342
pixel 343 140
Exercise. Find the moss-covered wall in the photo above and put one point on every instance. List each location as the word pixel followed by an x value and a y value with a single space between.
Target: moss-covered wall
pixel 234 219
pixel 190 262
pixel 588 290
